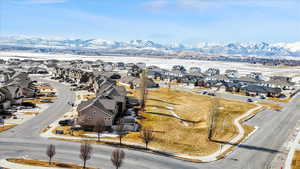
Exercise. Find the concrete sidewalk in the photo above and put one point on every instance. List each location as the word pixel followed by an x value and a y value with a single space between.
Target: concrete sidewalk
pixel 295 146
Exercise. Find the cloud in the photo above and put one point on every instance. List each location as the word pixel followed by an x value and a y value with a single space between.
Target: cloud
pixel 156 5
pixel 244 3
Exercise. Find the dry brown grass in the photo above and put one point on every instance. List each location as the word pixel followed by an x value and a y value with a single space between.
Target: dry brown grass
pixel 45 163
pixel 68 132
pixel 45 129
pixel 271 106
pixel 45 87
pixel 6 127
pixel 285 100
pixel 47 98
pixel 248 129
pixel 35 101
pixel 296 160
pixel 172 135
pixel 31 113
pixel 89 96
pixel 239 93
pixel 38 100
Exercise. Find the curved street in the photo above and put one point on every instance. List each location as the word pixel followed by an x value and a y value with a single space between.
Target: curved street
pixel 255 153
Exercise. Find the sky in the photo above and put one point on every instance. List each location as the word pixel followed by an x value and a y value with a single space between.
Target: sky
pixel 164 21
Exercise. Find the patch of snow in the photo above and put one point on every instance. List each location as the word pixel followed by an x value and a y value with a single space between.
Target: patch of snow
pixel 101 135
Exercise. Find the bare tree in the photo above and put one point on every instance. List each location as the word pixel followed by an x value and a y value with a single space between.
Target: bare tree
pixel 143 89
pixel 169 84
pixel 147 135
pixel 50 152
pixel 212 116
pixel 120 132
pixel 85 152
pixel 99 128
pixel 117 157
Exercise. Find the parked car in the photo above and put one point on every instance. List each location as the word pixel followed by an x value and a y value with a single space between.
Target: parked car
pixel 28 104
pixel 67 122
pixel 52 94
pixel 46 101
pixel 249 100
pixel 211 94
pixel 61 81
pixel 262 97
pixel 130 112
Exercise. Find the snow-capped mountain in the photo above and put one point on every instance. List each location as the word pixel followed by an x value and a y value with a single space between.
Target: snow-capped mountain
pixel 293 47
pixel 256 49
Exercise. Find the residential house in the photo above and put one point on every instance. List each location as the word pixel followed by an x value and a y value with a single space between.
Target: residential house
pixel 256 75
pixel 120 66
pixel 256 90
pixel 179 68
pixel 284 83
pixel 134 82
pixel 110 101
pixel 232 74
pixel 5 101
pixel 37 70
pixel 13 94
pixel 96 110
pixel 245 80
pixel 218 78
pixel 141 65
pixel 195 70
pixel 212 72
pixel 232 87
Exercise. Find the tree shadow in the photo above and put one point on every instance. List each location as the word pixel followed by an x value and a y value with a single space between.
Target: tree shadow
pixel 159 100
pixel 172 116
pixel 248 147
pixel 159 107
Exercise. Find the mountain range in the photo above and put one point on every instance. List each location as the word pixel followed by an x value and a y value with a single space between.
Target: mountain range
pixel 252 49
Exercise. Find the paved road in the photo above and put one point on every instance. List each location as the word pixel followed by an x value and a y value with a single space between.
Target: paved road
pixel 255 153
pixel 226 95
pixel 32 127
pixel 244 98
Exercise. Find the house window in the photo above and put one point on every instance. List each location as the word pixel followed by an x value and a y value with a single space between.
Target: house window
pixel 90 118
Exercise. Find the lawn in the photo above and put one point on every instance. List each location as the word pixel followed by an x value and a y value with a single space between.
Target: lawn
pixel 6 127
pixel 271 106
pixel 35 101
pixel 187 136
pixel 45 87
pixel 31 113
pixel 68 132
pixel 45 163
pixel 38 100
pixel 296 160
pixel 89 96
pixel 285 100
